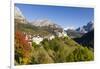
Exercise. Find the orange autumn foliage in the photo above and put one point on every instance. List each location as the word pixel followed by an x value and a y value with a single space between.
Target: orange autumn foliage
pixel 22 45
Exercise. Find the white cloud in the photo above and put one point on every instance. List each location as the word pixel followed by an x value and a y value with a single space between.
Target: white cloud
pixel 71 27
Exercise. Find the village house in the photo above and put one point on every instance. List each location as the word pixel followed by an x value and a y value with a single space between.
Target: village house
pixel 49 37
pixel 38 38
pixel 64 33
pixel 61 34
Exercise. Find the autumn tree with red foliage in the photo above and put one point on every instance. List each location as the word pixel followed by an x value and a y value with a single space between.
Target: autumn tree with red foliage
pixel 22 48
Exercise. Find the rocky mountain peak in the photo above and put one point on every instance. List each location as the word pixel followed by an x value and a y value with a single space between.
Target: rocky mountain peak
pixel 18 16
pixel 18 13
pixel 86 28
pixel 45 23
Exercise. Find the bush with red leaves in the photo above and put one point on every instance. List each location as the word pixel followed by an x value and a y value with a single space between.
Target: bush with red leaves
pixel 22 47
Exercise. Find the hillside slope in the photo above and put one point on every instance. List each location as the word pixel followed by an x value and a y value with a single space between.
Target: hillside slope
pixel 87 39
pixel 57 50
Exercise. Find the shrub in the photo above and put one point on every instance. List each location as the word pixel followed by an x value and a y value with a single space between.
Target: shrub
pixel 22 48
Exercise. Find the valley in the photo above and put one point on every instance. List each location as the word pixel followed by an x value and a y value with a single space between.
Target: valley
pixel 44 41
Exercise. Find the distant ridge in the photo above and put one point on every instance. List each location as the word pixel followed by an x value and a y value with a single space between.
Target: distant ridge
pixel 86 28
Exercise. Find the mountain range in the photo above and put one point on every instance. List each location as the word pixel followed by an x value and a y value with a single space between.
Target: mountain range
pixel 73 33
pixel 44 22
pixel 58 50
pixel 41 25
pixel 86 28
pixel 50 26
pixel 19 17
pixel 78 32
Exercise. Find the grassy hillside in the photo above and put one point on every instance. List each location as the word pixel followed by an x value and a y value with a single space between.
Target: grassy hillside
pixel 43 31
pixel 28 28
pixel 58 50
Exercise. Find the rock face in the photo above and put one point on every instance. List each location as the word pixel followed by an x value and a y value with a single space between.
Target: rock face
pixel 18 16
pixel 73 33
pixel 76 33
pixel 45 23
pixel 86 28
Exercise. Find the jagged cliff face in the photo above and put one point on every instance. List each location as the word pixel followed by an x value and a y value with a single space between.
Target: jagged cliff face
pixel 45 23
pixel 86 28
pixel 18 16
pixel 41 23
pixel 48 25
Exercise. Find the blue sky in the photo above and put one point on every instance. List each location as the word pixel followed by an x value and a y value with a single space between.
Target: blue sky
pixel 61 15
